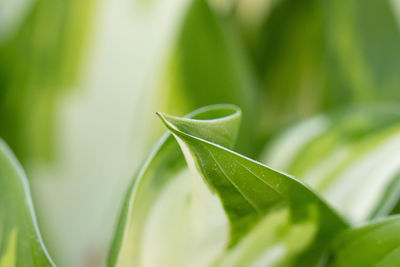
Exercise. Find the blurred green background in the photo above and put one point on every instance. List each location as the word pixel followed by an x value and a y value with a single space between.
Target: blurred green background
pixel 80 82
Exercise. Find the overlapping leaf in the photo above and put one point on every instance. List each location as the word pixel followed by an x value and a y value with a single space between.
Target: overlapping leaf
pixel 163 181
pixel 228 211
pixel 20 240
pixel 249 190
pixel 374 244
pixel 349 156
pixel 209 66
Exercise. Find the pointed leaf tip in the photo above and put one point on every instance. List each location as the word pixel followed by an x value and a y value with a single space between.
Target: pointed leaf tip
pixel 217 124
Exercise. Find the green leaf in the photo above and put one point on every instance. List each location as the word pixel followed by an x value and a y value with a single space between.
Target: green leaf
pixel 362 39
pixel 20 240
pixel 249 190
pixel 389 200
pixel 229 211
pixel 164 183
pixel 287 49
pixel 374 244
pixel 209 66
pixel 37 62
pixel 348 156
pixel 11 15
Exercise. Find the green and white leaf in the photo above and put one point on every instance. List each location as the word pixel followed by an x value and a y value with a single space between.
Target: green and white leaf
pixel 227 210
pixel 374 244
pixel 210 67
pixel 20 240
pixel 158 206
pixel 350 157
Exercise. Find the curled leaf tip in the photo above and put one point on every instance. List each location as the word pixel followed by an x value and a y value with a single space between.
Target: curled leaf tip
pixel 163 118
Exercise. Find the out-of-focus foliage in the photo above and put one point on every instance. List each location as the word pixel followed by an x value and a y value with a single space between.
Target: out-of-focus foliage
pixel 317 55
pixel 224 75
pixel 80 81
pixel 37 61
pixel 12 14
pixel 287 50
pixel 363 53
pixel 20 241
pixel 373 244
pixel 349 157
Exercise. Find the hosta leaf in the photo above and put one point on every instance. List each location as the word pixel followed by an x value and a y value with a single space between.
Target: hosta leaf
pixel 209 66
pixel 249 190
pixel 292 79
pixel 362 48
pixel 230 211
pixel 20 240
pixel 348 156
pixel 37 61
pixel 375 244
pixel 144 233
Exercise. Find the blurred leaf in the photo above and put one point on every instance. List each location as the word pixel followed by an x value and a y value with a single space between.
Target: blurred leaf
pixel 20 240
pixel 249 191
pixel 348 156
pixel 390 199
pixel 287 52
pixel 209 66
pixel 375 244
pixel 363 48
pixel 12 14
pixel 316 55
pixel 37 63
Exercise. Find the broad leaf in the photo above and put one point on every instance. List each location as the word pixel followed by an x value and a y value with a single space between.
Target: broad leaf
pixel 311 56
pixel 348 156
pixel 362 45
pixel 288 50
pixel 227 211
pixel 374 244
pixel 158 206
pixel 37 61
pixel 209 66
pixel 20 240
pixel 249 191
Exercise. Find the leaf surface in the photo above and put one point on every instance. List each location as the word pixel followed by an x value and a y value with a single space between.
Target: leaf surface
pixel 163 183
pixel 348 156
pixel 209 66
pixel 374 244
pixel 20 240
pixel 249 190
pixel 362 48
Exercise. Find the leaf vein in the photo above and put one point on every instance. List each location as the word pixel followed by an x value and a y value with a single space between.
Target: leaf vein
pixel 259 178
pixel 254 206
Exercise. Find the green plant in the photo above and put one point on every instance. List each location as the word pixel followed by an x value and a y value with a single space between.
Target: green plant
pixel 20 240
pixel 317 83
pixel 196 202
